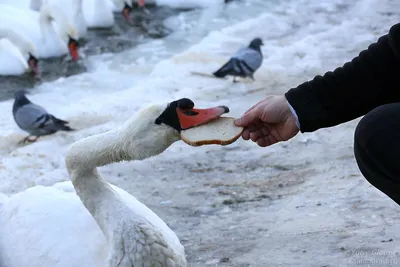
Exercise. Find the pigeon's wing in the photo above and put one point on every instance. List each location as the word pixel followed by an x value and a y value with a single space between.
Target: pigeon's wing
pixel 250 57
pixel 32 116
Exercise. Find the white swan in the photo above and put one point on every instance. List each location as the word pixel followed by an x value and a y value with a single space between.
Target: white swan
pixel 100 13
pixel 38 27
pixel 72 10
pixel 49 226
pixel 17 54
pixel 85 14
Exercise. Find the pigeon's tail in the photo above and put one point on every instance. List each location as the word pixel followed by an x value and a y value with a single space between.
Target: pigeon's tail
pixel 65 128
pixel 59 121
pixel 226 69
pixel 61 124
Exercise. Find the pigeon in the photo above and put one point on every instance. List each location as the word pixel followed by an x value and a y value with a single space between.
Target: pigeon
pixel 244 63
pixel 34 119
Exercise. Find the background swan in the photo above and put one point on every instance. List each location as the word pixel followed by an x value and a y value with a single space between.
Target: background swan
pixel 72 10
pixel 49 226
pixel 38 27
pixel 84 14
pixel 100 13
pixel 17 54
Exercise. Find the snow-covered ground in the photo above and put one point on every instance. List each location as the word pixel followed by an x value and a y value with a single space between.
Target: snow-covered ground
pixel 299 203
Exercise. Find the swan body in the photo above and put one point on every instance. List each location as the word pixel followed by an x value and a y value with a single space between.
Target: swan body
pixel 56 213
pixel 98 13
pixel 17 53
pixel 88 222
pixel 85 14
pixel 38 27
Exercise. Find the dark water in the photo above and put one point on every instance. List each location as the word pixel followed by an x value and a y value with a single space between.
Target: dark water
pixel 147 25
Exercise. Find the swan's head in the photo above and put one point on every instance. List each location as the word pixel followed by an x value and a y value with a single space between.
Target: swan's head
pixel 25 47
pixel 126 8
pixel 155 128
pixel 73 47
pixel 29 52
pixel 126 11
pixel 70 37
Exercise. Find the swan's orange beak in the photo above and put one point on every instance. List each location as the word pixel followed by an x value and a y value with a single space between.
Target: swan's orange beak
pixel 126 12
pixel 140 3
pixel 33 65
pixel 73 46
pixel 193 117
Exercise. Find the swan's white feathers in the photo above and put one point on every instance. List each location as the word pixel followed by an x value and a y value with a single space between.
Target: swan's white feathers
pixel 16 63
pixel 38 27
pixel 42 216
pixel 24 44
pixel 48 225
pixel 65 27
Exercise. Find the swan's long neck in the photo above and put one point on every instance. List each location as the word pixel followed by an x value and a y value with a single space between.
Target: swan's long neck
pixel 46 26
pixel 82 159
pixel 79 17
pixel 49 13
pixel 24 45
pixel 139 138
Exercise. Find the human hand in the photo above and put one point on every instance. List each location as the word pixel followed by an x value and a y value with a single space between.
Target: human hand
pixel 268 122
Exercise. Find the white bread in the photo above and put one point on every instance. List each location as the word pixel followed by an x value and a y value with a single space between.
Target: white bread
pixel 221 131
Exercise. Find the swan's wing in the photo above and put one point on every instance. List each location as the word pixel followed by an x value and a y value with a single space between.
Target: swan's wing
pixel 44 226
pixel 144 212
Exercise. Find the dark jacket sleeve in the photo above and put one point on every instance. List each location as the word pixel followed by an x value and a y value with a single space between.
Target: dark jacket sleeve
pixel 369 80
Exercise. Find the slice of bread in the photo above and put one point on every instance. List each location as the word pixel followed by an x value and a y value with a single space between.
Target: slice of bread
pixel 221 131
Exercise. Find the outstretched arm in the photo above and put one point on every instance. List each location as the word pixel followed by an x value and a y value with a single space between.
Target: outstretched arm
pixel 369 80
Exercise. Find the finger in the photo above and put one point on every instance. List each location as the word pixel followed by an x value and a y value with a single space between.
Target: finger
pixel 263 142
pixel 246 134
pixel 247 118
pixel 251 128
pixel 254 136
pixel 267 140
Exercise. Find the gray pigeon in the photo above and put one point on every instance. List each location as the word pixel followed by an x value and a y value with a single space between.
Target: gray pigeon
pixel 34 119
pixel 244 62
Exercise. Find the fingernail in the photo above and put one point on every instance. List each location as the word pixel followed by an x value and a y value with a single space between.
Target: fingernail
pixel 238 121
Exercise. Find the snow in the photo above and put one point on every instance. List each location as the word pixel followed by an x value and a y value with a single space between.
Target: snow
pixel 327 212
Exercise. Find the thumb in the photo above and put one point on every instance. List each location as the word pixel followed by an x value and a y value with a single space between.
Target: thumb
pixel 247 118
